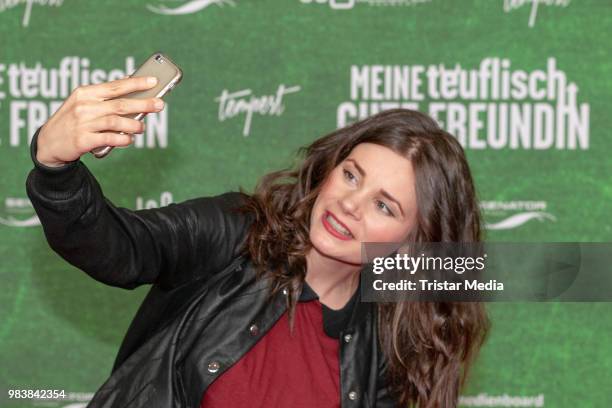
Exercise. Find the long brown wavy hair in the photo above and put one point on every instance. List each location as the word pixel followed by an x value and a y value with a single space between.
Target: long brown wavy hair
pixel 429 345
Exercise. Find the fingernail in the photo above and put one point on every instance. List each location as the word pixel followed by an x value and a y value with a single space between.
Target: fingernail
pixel 151 80
pixel 159 104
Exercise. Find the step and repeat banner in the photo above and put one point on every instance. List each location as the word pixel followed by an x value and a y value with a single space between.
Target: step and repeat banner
pixel 524 85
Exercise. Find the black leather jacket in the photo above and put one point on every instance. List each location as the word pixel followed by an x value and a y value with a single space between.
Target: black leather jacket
pixel 205 308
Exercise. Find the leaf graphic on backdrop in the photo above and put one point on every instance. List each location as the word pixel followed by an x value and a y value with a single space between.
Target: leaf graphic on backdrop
pixel 13 222
pixel 190 7
pixel 519 219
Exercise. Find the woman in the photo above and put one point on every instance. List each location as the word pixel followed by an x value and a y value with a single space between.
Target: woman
pixel 255 298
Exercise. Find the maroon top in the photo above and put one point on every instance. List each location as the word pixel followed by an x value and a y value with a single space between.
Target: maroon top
pixel 287 370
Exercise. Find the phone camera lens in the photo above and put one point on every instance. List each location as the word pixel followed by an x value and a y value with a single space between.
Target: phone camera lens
pixel 159 59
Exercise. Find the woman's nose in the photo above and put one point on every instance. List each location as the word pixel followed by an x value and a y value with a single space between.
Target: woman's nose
pixel 350 204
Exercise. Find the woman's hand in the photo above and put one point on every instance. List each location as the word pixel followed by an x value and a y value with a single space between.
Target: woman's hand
pixel 91 118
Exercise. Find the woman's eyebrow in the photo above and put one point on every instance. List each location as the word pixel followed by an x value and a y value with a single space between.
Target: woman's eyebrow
pixel 359 168
pixel 383 192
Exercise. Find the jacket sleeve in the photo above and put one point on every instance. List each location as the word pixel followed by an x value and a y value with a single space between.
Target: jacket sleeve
pixel 167 246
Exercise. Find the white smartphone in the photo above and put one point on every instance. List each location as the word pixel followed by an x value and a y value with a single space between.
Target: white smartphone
pixel 168 75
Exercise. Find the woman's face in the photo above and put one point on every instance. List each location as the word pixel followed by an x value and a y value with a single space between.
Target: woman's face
pixel 369 197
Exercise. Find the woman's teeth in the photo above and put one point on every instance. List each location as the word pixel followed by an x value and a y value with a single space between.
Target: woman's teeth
pixel 338 227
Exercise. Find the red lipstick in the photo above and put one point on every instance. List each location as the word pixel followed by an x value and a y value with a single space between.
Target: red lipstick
pixel 331 229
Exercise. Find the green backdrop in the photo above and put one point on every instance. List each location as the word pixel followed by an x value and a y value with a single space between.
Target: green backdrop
pixel 522 83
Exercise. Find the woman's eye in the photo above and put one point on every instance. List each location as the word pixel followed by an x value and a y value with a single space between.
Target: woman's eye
pixel 348 175
pixel 385 208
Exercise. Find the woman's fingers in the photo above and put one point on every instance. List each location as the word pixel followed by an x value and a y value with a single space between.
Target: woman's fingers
pixel 119 87
pixel 126 106
pixel 115 123
pixel 92 110
pixel 105 139
pixel 88 119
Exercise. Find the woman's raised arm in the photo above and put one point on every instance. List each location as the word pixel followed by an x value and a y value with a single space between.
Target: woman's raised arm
pixel 117 246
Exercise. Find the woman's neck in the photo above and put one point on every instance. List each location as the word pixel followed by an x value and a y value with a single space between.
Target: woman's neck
pixel 332 280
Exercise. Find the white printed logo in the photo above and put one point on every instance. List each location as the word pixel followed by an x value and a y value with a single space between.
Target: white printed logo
pixel 189 7
pixel 510 5
pixel 9 4
pixel 35 92
pixel 527 211
pixel 165 199
pixel 505 400
pixel 15 207
pixel 243 101
pixel 490 106
pixel 349 4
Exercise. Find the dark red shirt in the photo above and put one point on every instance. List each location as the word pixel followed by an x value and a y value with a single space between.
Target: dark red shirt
pixel 283 369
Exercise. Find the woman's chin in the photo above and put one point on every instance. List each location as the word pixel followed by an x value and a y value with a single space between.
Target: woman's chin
pixel 331 251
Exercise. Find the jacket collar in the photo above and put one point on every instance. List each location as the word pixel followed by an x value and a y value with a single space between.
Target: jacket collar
pixel 307 293
pixel 362 311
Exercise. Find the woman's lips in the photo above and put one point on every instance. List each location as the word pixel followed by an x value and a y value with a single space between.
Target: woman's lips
pixel 332 230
